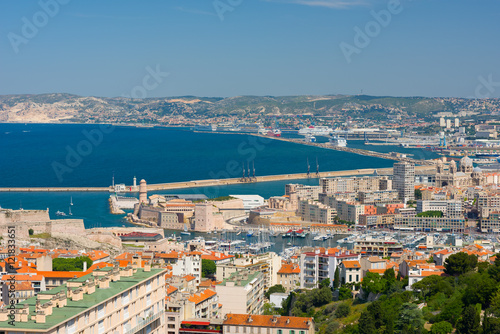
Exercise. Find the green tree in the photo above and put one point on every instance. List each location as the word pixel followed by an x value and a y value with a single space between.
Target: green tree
pixel 208 268
pixel 30 231
pixel 469 322
pixel 275 288
pixel 460 263
pixel 324 283
pixel 71 264
pixel 345 293
pixel 342 310
pixel 269 309
pixel 336 279
pixel 418 194
pixel 373 282
pixel 442 327
pixel 366 323
pixel 410 318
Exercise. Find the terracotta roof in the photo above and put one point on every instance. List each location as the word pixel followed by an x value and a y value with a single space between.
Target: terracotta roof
pixel 23 277
pixel 267 321
pixel 351 264
pixel 201 297
pixel 171 289
pixel 289 268
pixel 189 278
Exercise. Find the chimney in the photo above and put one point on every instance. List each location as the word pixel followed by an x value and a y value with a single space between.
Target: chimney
pixel 91 288
pixel 104 283
pixel 84 265
pixel 40 317
pixel 147 266
pixel 77 295
pixel 61 300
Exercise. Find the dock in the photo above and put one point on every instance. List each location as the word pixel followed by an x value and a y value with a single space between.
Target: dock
pixel 220 182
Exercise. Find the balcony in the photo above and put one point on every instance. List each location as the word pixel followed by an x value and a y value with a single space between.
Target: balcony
pixel 145 322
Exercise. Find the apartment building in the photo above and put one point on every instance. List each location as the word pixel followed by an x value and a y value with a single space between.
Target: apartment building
pixel 350 272
pixel 242 292
pixel 379 247
pixel 110 300
pixel 449 208
pixel 350 184
pixel 428 224
pixel 267 324
pixel 268 264
pixel 303 191
pixel 289 276
pixel 381 221
pixel 182 263
pixel 404 180
pixel 379 197
pixel 321 264
pixel 316 212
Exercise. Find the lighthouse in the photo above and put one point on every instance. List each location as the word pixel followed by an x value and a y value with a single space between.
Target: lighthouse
pixel 143 192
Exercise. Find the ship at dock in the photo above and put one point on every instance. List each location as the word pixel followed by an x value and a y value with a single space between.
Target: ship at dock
pixel 338 141
pixel 316 131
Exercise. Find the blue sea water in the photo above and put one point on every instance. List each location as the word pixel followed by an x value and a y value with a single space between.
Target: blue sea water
pixel 55 155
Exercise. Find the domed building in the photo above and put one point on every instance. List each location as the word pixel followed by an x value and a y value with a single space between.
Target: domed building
pixel 465 175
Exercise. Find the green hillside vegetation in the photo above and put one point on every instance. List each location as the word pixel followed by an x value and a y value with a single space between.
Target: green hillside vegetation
pixel 71 264
pixel 466 299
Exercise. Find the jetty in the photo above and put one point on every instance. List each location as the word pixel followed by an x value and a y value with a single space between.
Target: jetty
pixel 220 182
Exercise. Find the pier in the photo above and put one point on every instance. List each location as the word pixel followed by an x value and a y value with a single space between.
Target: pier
pixel 220 182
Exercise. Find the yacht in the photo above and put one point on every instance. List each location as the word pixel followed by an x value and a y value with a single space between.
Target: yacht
pixel 338 141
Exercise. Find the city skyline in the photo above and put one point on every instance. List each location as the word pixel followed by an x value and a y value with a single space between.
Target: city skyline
pixel 279 48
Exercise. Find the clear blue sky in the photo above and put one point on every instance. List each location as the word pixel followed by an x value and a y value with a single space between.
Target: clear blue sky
pixel 261 47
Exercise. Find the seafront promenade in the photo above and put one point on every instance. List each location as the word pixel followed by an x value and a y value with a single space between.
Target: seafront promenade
pixel 220 182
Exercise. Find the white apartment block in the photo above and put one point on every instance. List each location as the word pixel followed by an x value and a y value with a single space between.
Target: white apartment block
pixel 110 300
pixel 450 208
pixel 312 211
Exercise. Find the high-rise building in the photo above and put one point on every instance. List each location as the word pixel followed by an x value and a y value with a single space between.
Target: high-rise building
pixel 404 180
pixel 442 122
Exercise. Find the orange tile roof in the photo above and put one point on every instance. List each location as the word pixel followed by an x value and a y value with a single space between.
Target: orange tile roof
pixel 351 264
pixel 189 278
pixel 289 268
pixel 23 277
pixel 216 256
pixel 171 289
pixel 267 321
pixel 23 286
pixel 201 297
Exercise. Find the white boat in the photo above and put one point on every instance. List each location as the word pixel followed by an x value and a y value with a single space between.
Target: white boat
pixel 316 130
pixel 185 232
pixel 60 213
pixel 338 141
pixel 201 127
pixel 310 139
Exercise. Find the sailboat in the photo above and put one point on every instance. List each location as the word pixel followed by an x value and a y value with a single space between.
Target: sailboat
pixel 69 212
pixel 71 200
pixel 185 232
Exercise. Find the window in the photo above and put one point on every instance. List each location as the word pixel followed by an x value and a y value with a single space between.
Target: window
pixel 148 300
pixel 171 318
pixel 302 332
pixel 292 331
pixel 71 327
pixel 116 302
pixel 350 278
pixel 125 298
pixel 100 327
pixel 280 331
pixel 86 318
pixel 125 312
pixel 100 311
pixel 148 286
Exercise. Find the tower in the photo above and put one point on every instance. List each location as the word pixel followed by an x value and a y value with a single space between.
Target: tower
pixel 143 192
pixel 135 182
pixel 404 180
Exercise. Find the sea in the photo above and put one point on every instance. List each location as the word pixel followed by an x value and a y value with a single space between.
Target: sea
pixel 83 155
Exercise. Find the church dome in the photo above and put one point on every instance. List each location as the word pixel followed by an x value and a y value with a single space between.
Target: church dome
pixel 477 170
pixel 466 162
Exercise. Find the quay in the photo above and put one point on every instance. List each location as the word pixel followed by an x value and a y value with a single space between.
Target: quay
pixel 220 182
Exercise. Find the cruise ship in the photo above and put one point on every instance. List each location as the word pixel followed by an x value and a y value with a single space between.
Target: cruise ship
pixel 338 141
pixel 316 130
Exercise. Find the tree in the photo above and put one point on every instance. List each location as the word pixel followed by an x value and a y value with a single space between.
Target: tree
pixel 208 268
pixel 469 321
pixel 442 327
pixel 410 318
pixel 345 293
pixel 418 194
pixel 342 310
pixel 324 283
pixel 269 309
pixel 30 231
pixel 71 264
pixel 275 288
pixel 460 263
pixel 372 282
pixel 336 280
pixel 366 323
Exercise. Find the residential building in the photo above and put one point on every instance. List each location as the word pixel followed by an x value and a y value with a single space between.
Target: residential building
pixel 316 212
pixel 267 324
pixel 350 272
pixel 242 292
pixel 110 300
pixel 289 276
pixel 380 247
pixel 379 197
pixel 427 224
pixel 303 191
pixel 404 180
pixel 449 208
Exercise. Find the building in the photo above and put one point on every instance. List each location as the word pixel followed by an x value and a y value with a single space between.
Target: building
pixel 321 264
pixel 143 192
pixel 242 292
pixel 351 184
pixel 207 218
pixel 289 276
pixel 380 247
pixel 379 197
pixel 267 324
pixel 250 201
pixel 110 300
pixel 428 224
pixel 268 264
pixel 303 191
pixel 316 212
pixel 463 176
pixel 404 180
pixel 450 208
pixel 350 272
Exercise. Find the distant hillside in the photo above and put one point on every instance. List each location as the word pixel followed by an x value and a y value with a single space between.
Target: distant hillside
pixel 57 108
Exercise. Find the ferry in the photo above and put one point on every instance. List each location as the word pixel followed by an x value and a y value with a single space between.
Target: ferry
pixel 316 130
pixel 310 139
pixel 338 141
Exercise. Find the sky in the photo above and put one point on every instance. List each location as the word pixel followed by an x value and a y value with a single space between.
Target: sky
pixel 223 48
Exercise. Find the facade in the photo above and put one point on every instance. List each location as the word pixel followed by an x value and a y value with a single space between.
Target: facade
pixel 463 176
pixel 350 272
pixel 381 221
pixel 404 180
pixel 450 208
pixel 379 197
pixel 110 300
pixel 316 212
pixel 380 247
pixel 429 224
pixel 289 276
pixel 321 264
pixel 207 218
pixel 267 324
pixel 303 191
pixel 242 292
pixel 351 184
